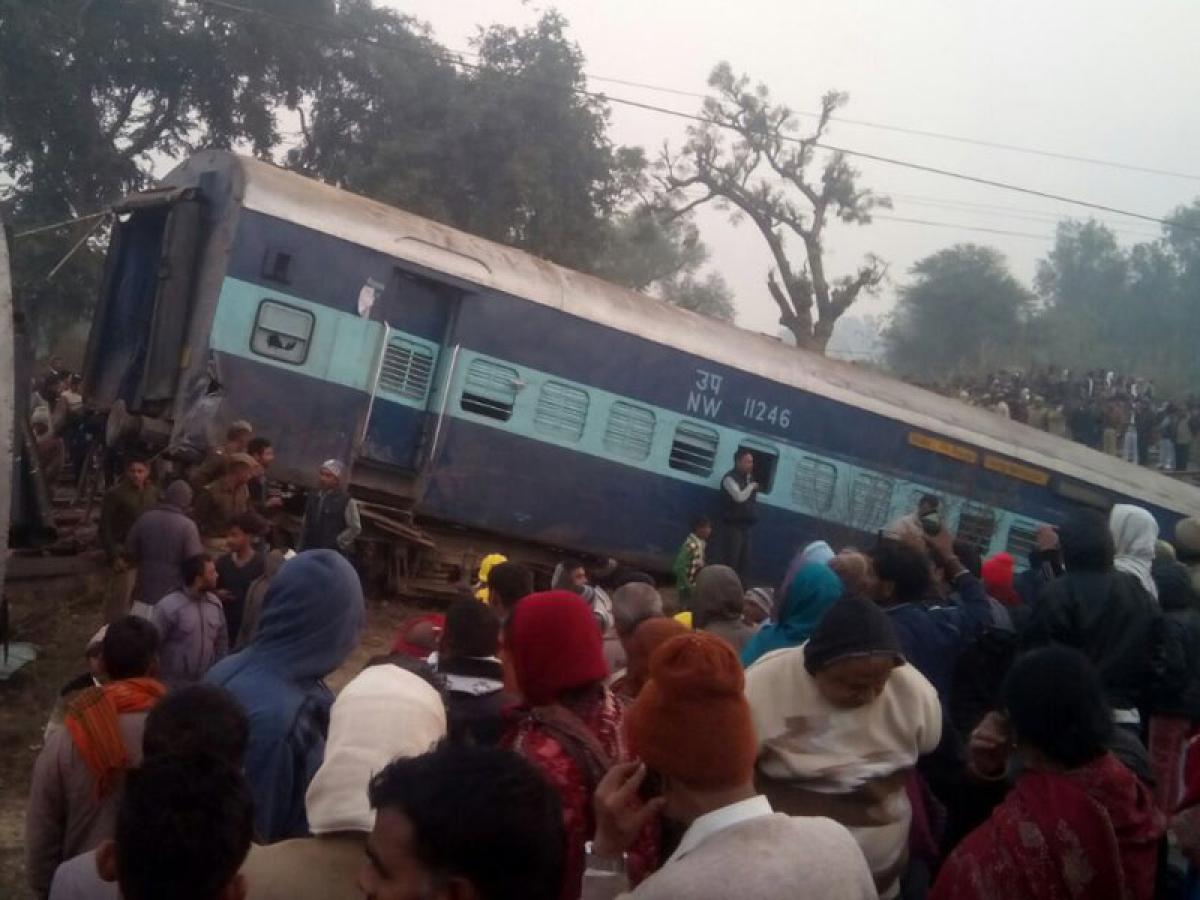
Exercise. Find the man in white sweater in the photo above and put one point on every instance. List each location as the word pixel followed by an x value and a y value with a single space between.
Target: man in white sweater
pixel 691 728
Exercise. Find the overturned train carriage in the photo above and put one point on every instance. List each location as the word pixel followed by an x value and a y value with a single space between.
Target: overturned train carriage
pixel 483 387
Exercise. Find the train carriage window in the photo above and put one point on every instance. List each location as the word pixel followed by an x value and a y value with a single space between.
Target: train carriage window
pixel 490 390
pixel 407 369
pixel 694 449
pixel 1022 538
pixel 282 332
pixel 870 501
pixel 561 411
pixel 976 525
pixel 277 266
pixel 766 460
pixel 629 432
pixel 813 484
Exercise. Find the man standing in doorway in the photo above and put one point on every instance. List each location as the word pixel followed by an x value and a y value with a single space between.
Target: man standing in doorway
pixel 331 520
pixel 739 497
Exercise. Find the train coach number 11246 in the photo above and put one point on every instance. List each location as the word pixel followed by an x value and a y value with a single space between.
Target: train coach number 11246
pixel 761 411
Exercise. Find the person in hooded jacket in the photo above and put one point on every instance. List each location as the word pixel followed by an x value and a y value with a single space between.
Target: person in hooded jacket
pixel 811 591
pixel 814 552
pixel 1104 613
pixel 311 621
pixel 717 605
pixel 385 713
pixel 1135 536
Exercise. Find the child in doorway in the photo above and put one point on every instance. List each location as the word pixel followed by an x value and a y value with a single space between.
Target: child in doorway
pixel 690 559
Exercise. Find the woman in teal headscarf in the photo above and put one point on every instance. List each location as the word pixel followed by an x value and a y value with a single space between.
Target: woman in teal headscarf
pixel 813 590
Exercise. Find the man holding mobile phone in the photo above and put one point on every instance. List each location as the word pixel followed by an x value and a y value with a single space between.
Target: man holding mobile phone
pixel 691 727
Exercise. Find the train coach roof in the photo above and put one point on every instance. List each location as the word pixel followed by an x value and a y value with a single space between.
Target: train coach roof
pixel 277 192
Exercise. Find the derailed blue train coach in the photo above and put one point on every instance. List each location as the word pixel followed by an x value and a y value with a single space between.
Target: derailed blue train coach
pixel 489 389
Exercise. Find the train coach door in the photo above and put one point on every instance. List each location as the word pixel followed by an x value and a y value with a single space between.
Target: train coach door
pixel 415 313
pixel 136 344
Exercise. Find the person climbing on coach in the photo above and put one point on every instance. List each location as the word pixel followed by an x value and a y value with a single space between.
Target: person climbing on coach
pixel 331 520
pixel 739 498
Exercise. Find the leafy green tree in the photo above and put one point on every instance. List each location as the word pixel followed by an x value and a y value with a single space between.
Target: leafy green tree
pixel 1131 309
pixel 97 93
pixel 509 148
pixel 769 176
pixel 95 90
pixel 961 311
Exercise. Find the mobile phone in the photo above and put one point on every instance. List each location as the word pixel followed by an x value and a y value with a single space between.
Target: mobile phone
pixel 651 786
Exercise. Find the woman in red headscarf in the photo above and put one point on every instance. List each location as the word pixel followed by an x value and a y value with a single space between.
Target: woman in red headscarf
pixel 569 724
pixel 1077 823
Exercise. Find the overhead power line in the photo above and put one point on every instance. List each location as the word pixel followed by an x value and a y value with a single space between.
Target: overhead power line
pixel 680 114
pixel 1043 217
pixel 54 226
pixel 980 228
pixel 918 132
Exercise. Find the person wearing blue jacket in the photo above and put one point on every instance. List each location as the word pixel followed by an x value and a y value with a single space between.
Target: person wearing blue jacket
pixel 312 616
pixel 932 635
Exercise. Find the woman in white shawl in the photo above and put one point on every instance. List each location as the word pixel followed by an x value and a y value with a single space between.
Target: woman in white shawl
pixel 1135 533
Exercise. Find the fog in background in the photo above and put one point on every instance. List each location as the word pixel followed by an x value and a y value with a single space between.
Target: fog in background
pixel 1098 78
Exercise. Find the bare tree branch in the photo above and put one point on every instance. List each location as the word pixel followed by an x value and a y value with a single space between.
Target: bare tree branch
pixel 759 173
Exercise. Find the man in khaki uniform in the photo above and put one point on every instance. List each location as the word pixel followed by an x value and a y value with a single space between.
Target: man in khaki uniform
pixel 220 503
pixel 123 503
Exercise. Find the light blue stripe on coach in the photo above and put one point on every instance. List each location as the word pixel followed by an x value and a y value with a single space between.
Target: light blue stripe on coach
pixel 342 351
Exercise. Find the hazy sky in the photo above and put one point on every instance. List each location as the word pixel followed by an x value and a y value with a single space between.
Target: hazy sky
pixel 1100 78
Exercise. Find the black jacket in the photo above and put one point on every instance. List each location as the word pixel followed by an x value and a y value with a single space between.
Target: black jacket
pixel 733 512
pixel 1181 608
pixel 475 700
pixel 1111 619
pixel 324 520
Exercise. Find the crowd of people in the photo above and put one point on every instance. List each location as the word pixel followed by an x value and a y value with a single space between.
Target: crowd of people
pixel 905 721
pixel 1120 415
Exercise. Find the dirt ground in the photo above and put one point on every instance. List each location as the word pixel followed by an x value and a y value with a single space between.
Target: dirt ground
pixel 59 617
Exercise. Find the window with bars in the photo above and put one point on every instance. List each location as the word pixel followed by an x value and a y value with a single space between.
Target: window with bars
pixel 870 501
pixel 814 484
pixel 561 411
pixel 490 390
pixel 629 432
pixel 407 369
pixel 694 449
pixel 1022 537
pixel 976 525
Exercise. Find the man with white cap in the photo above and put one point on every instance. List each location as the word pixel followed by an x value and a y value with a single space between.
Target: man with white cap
pixel 331 520
pixel 385 713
